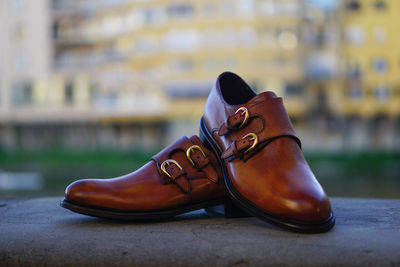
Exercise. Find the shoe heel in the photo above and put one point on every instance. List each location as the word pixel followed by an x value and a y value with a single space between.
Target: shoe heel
pixel 229 210
pixel 233 211
pixel 203 138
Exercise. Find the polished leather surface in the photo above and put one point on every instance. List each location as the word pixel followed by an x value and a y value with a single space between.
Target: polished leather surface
pixel 274 175
pixel 150 188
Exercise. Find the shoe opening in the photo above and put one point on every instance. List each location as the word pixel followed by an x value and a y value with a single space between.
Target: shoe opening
pixel 234 90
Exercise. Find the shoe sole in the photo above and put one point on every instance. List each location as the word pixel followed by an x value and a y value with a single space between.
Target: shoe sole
pixel 249 207
pixel 136 215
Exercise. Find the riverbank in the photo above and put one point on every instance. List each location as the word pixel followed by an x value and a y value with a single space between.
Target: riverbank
pixel 360 174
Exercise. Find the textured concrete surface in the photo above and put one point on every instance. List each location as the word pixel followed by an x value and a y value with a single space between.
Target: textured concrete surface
pixel 37 232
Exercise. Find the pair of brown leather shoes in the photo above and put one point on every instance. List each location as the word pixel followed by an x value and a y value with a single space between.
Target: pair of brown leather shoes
pixel 248 158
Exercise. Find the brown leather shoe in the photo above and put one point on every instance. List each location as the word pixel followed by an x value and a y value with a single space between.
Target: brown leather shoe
pixel 183 177
pixel 263 166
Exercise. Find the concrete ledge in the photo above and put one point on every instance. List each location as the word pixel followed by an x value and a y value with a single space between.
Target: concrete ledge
pixel 37 232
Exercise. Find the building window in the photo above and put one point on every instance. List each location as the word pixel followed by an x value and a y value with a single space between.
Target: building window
pixel 180 10
pixel 380 5
pixel 353 5
pixel 150 15
pixel 20 61
pixel 354 71
pixel 181 40
pixel 267 8
pixel 381 93
pixel 380 65
pixel 22 93
pixel 355 35
pixel 55 30
pixel 18 5
pixel 354 92
pixel 69 93
pixel 106 100
pixel 245 8
pixel 294 89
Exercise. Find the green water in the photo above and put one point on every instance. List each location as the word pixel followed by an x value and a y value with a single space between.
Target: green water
pixel 362 174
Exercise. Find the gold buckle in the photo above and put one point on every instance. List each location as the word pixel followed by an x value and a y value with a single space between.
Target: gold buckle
pixel 246 115
pixel 168 162
pixel 254 138
pixel 190 149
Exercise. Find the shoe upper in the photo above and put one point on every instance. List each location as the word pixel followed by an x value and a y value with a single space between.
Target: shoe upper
pixel 183 173
pixel 262 153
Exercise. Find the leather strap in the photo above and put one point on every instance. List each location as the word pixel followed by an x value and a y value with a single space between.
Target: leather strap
pixel 179 169
pixel 200 162
pixel 233 123
pixel 177 176
pixel 239 148
pixel 275 124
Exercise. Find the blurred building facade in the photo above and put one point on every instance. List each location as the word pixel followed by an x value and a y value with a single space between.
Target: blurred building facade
pixel 371 50
pixel 136 73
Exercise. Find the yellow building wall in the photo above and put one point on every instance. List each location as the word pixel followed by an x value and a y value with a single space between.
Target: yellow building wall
pixel 374 23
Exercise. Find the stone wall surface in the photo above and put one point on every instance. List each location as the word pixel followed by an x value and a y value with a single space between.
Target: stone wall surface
pixel 37 232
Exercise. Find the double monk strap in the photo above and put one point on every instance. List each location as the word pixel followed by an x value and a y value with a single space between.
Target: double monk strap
pixel 264 169
pixel 182 177
pixel 249 143
pixel 183 162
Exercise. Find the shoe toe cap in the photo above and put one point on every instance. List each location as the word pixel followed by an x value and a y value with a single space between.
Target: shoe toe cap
pixel 309 209
pixel 81 191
